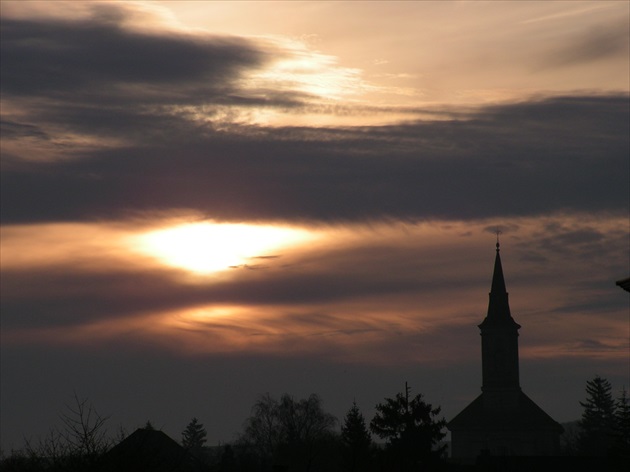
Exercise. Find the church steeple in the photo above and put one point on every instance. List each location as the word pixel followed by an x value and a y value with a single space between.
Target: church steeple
pixel 502 420
pixel 498 282
pixel 498 305
pixel 499 339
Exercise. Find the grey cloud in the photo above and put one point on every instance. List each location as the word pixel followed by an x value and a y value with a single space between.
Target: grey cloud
pixel 99 79
pixel 558 154
pixel 15 130
pixel 66 298
pixel 595 44
pixel 565 240
pixel 63 296
pixel 55 58
pixel 586 242
pixel 583 345
pixel 591 303
pixel 503 229
pixel 533 256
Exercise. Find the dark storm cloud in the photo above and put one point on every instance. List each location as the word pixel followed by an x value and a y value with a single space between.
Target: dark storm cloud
pixel 557 154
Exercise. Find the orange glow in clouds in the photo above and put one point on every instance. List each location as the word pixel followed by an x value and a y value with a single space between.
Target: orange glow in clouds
pixel 207 247
pixel 379 293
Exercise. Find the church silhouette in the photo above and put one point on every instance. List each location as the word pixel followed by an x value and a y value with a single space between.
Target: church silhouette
pixel 502 421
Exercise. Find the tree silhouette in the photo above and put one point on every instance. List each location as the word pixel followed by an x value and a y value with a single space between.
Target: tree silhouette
pixel 84 429
pixel 288 433
pixel 356 440
pixel 411 430
pixel 598 418
pixel 621 426
pixel 76 446
pixel 194 436
pixel 227 463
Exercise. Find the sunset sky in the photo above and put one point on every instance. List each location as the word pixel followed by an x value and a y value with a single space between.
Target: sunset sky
pixel 203 202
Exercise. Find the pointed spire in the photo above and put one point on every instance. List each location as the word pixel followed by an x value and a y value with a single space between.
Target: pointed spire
pixel 498 306
pixel 498 282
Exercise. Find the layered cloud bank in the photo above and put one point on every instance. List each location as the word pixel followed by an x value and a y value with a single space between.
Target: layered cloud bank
pixel 348 292
pixel 101 120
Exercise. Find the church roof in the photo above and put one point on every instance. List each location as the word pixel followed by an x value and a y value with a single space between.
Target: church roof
pixel 624 284
pixel 148 450
pixel 527 416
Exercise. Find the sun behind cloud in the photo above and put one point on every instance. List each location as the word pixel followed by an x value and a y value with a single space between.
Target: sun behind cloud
pixel 206 247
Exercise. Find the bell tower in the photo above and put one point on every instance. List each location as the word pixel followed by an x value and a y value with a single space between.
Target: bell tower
pixel 499 345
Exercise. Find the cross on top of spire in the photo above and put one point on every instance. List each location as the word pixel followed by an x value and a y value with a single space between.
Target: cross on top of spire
pixel 498 232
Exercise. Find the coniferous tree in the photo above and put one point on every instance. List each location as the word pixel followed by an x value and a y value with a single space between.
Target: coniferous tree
pixel 356 440
pixel 411 430
pixel 622 425
pixel 598 418
pixel 194 436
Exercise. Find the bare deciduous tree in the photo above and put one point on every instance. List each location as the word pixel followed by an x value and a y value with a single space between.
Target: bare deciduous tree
pixel 84 429
pixel 289 432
